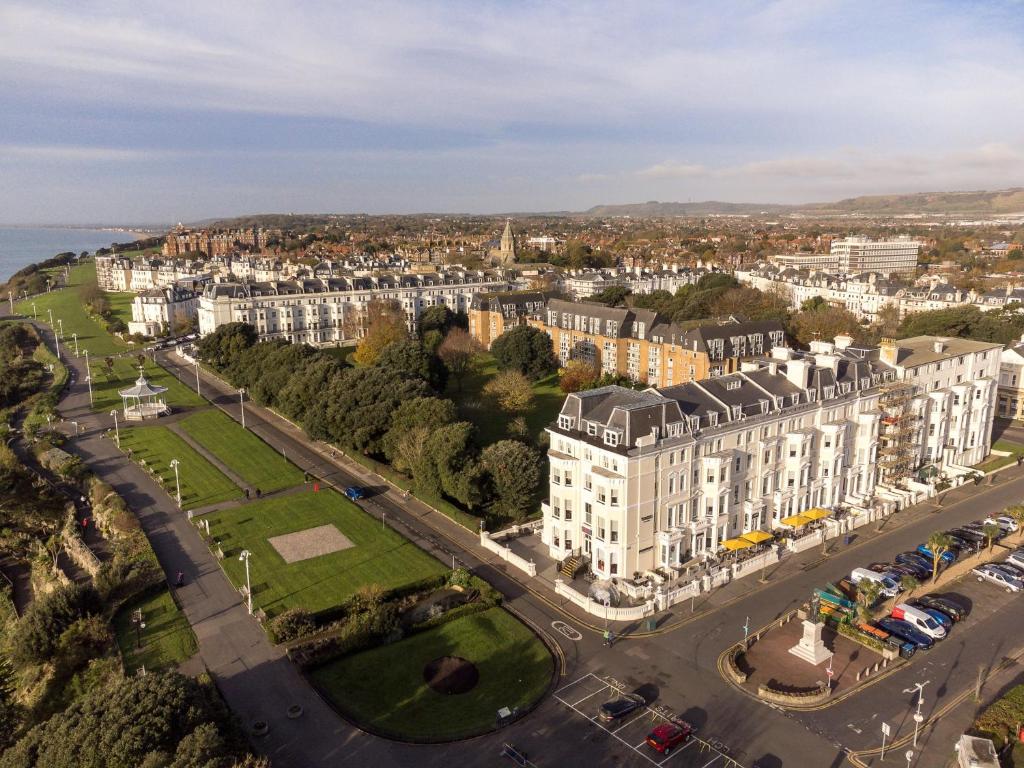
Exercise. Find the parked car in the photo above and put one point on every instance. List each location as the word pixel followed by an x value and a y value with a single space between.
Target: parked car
pixel 970 540
pixel 951 608
pixel 354 492
pixel 939 616
pixel 915 559
pixel 1016 557
pixel 919 620
pixel 998 577
pixel 905 631
pixel 892 570
pixel 667 736
pixel 887 586
pixel 948 557
pixel 620 708
pixel 979 526
pixel 1009 570
pixel 1008 524
pixel 917 567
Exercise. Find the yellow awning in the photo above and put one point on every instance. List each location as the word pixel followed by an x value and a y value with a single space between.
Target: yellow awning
pixel 756 537
pixel 817 513
pixel 734 544
pixel 795 521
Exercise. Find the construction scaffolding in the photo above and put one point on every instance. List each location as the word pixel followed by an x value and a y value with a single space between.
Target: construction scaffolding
pixel 897 444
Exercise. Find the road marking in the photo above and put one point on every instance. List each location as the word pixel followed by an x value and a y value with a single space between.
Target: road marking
pixel 577 703
pixel 567 630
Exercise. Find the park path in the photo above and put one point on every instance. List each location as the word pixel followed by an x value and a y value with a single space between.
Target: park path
pixel 202 451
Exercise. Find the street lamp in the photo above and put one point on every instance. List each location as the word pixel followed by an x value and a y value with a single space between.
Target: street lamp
pixel 241 404
pixel 177 481
pixel 918 717
pixel 60 325
pixel 75 337
pixel 35 313
pixel 244 556
pixel 50 312
pixel 88 376
pixel 139 626
pixel 117 433
pixel 10 298
pixel 910 756
pixel 197 378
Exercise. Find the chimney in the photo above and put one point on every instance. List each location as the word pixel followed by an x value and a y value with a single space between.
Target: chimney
pixel 843 341
pixel 888 351
pixel 781 353
pixel 939 345
pixel 798 371
pixel 827 361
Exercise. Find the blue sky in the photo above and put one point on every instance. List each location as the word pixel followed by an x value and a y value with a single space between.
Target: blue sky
pixel 157 112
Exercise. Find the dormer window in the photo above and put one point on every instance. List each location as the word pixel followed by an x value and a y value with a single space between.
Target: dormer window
pixel 713 418
pixel 566 422
pixel 794 399
pixel 611 437
pixel 733 384
pixel 737 411
pixel 830 392
pixel 694 423
pixel 591 428
pixel 764 406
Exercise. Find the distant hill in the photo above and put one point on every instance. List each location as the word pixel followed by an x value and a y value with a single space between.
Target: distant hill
pixel 709 207
pixel 974 202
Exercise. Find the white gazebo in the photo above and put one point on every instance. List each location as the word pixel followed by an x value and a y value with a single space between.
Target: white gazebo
pixel 141 400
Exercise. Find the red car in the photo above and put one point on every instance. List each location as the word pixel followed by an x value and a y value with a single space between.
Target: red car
pixel 669 735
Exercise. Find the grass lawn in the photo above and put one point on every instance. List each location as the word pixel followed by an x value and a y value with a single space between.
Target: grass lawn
pixel 383 688
pixel 67 306
pixel 125 371
pixel 379 555
pixel 491 423
pixel 1014 449
pixel 121 305
pixel 244 453
pixel 201 482
pixel 167 639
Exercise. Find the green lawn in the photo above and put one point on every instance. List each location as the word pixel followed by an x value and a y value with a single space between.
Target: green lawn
pixel 201 482
pixel 244 453
pixel 67 306
pixel 492 424
pixel 125 371
pixel 121 305
pixel 383 688
pixel 1015 450
pixel 167 639
pixel 379 555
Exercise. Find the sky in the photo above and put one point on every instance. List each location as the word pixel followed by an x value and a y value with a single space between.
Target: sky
pixel 156 112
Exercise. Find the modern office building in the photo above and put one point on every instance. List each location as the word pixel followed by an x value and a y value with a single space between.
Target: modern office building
pixel 886 257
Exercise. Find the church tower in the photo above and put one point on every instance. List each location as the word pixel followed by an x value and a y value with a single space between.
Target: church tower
pixel 507 249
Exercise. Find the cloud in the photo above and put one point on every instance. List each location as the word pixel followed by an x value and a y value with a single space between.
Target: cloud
pixel 70 153
pixel 670 170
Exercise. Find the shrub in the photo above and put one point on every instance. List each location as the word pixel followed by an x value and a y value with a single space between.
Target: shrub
pixel 37 633
pixel 291 625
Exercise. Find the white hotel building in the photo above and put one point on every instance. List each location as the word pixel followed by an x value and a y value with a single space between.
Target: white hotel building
pixel 328 311
pixel 640 480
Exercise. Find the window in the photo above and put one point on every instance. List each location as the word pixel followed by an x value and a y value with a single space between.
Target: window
pixel 611 437
pixel 588 513
pixel 556 476
pixel 568 509
pixel 613 531
pixel 591 428
pixel 614 497
pixel 600 528
pixel 555 508
pixel 568 479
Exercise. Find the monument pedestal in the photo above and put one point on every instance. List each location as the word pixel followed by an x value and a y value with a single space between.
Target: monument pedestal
pixel 811 647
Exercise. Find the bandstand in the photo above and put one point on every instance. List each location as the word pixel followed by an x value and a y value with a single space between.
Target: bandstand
pixel 142 400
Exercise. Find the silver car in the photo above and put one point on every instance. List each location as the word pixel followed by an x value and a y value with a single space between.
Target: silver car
pixel 1016 558
pixel 999 577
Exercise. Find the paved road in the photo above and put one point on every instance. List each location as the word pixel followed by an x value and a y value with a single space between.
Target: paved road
pixel 680 664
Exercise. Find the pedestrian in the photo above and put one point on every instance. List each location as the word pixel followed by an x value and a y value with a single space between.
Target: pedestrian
pixel 607 639
pixel 259 493
pixel 181 579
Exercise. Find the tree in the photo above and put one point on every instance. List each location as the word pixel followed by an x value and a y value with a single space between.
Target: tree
pixel 612 296
pixel 824 323
pixel 524 349
pixel 514 471
pixel 408 357
pixel 458 470
pixel 578 375
pixel 411 424
pixel 36 635
pixel 10 710
pixel 440 318
pixel 939 543
pixel 511 390
pixel 752 304
pixel 385 325
pixel 908 583
pixel 813 303
pixel 990 531
pixel 358 405
pixel 1016 513
pixel 867 596
pixel 222 347
pixel 460 353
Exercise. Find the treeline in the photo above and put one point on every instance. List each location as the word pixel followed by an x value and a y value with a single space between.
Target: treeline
pixel 391 407
pixel 32 279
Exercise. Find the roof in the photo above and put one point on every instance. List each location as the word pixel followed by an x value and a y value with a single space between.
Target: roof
pixel 920 350
pixel 142 388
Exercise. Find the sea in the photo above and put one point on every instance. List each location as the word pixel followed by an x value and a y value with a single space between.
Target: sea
pixel 21 246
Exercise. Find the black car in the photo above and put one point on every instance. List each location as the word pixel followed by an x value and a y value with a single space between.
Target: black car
pixel 622 707
pixel 963 543
pixel 915 559
pixel 916 567
pixel 967 534
pixel 951 608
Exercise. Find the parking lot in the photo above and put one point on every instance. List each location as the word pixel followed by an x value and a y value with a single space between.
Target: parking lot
pixel 585 695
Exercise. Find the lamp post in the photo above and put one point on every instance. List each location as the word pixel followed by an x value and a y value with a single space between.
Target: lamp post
pixel 910 756
pixel 177 481
pixel 75 337
pixel 197 378
pixel 117 433
pixel 49 311
pixel 88 376
pixel 56 344
pixel 60 326
pixel 10 298
pixel 35 312
pixel 139 626
pixel 244 557
pixel 241 404
pixel 918 717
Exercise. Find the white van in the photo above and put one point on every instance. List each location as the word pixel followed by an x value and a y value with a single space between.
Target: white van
pixel 920 620
pixel 888 587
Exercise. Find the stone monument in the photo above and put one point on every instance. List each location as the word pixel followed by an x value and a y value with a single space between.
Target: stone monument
pixel 811 647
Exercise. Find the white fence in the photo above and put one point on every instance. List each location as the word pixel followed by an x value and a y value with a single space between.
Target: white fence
pixel 507 554
pixel 806 542
pixel 754 564
pixel 600 609
pixel 678 594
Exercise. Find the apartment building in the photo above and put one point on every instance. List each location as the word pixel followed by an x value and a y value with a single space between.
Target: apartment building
pixel 161 310
pixel 652 479
pixel 645 347
pixel 182 241
pixel 886 257
pixel 491 314
pixel 330 311
pixel 1011 382
pixel 120 273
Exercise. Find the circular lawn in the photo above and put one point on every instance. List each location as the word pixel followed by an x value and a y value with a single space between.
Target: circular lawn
pixel 442 684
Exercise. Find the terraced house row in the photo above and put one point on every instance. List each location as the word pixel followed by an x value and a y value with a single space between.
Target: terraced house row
pixel 641 480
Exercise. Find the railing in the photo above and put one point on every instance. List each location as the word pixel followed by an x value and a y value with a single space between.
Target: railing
pixel 505 553
pixel 595 608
